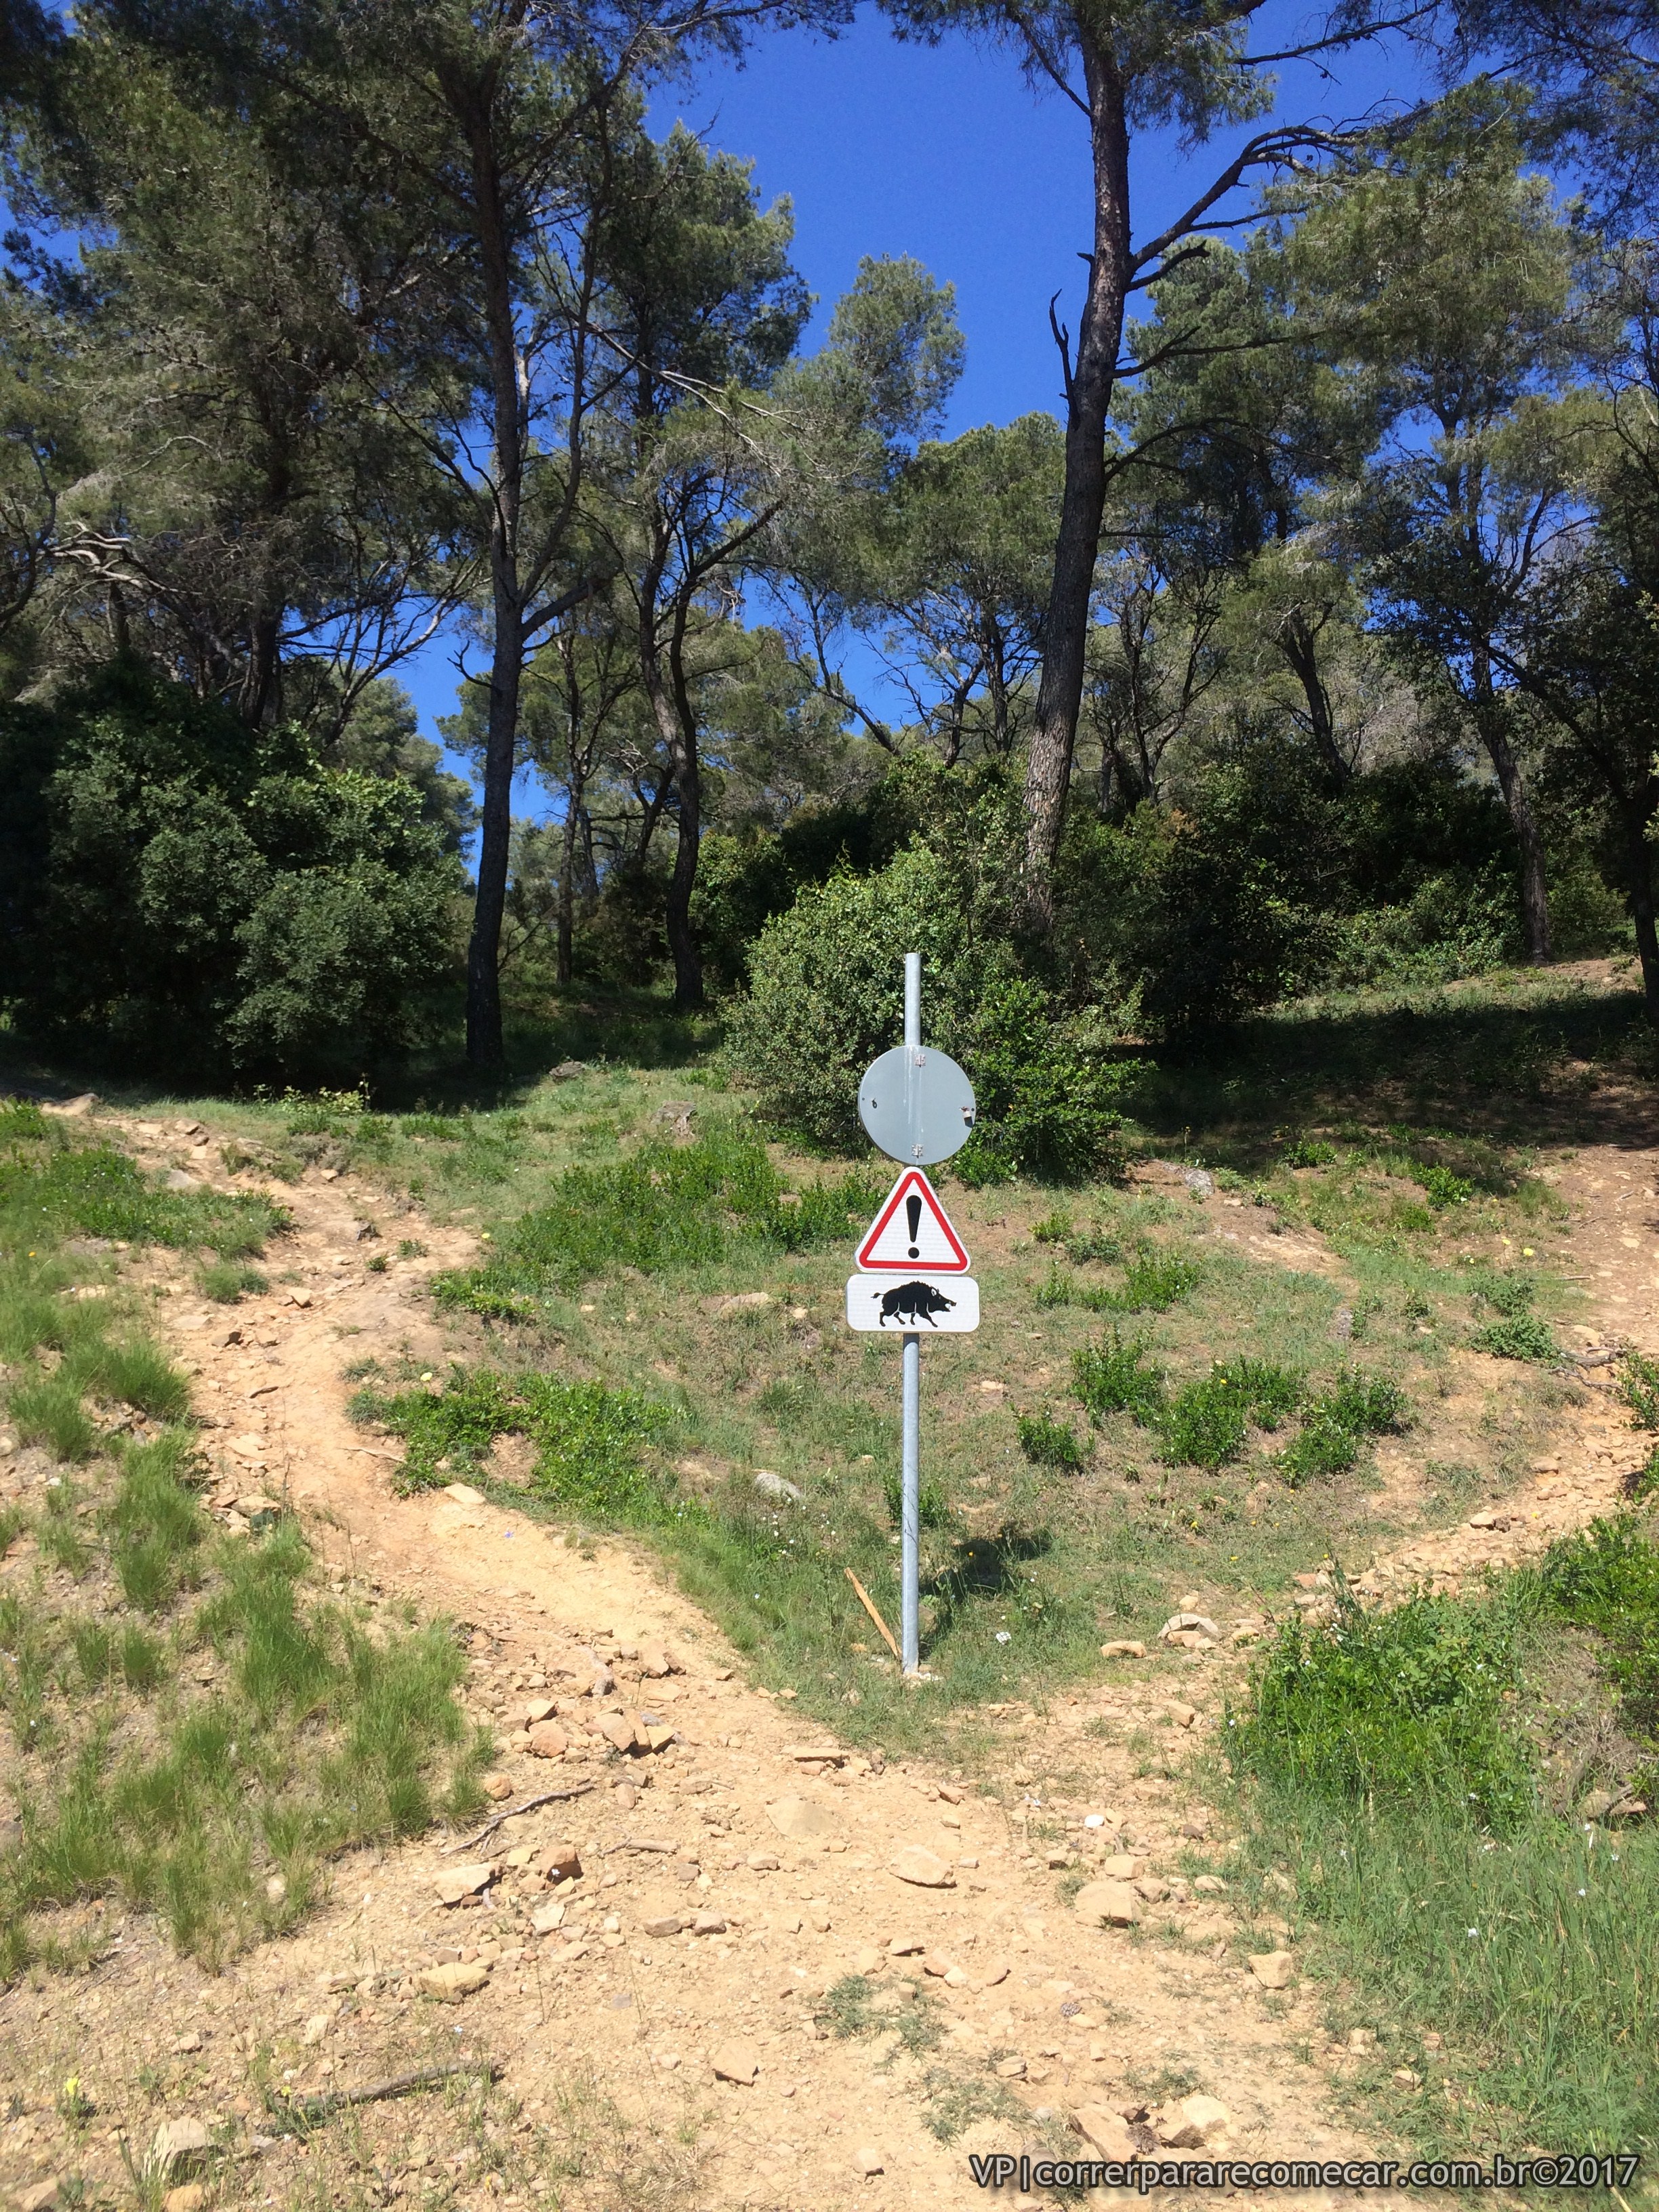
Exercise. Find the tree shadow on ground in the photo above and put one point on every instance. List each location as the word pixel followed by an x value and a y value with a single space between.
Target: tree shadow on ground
pixel 1538 1059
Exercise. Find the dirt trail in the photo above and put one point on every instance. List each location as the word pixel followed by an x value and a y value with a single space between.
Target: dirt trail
pixel 791 1855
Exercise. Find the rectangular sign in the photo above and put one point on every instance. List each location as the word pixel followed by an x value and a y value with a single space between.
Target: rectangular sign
pixel 946 1305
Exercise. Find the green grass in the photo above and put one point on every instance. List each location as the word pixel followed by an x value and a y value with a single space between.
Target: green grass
pixel 1048 1443
pixel 226 1281
pixel 590 1441
pixel 1395 1764
pixel 1638 1386
pixel 666 1206
pixel 331 1727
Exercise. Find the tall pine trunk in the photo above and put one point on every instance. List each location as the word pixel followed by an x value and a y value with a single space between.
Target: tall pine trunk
pixel 1090 380
pixel 485 1047
pixel 1535 896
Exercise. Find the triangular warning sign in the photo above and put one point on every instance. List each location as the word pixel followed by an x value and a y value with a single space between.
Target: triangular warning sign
pixel 912 1231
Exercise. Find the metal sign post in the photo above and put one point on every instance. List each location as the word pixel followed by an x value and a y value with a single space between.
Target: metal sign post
pixel 918 1107
pixel 911 1464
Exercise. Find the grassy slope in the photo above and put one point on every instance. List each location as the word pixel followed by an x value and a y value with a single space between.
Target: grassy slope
pixel 1440 1235
pixel 191 1724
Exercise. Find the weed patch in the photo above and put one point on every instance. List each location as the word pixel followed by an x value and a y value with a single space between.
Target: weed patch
pixel 1638 1386
pixel 1048 1443
pixel 590 1441
pixel 666 1206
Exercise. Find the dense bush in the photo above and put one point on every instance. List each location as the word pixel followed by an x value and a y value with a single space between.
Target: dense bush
pixel 202 898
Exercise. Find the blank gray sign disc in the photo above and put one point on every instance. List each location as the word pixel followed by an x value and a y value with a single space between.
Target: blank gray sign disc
pixel 916 1105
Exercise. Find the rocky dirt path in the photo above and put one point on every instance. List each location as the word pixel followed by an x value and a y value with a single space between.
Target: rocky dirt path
pixel 661 2010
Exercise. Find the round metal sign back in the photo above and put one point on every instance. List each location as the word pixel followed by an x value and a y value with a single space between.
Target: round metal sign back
pixel 916 1105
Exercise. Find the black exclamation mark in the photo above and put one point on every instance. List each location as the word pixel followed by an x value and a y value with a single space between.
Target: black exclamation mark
pixel 913 1207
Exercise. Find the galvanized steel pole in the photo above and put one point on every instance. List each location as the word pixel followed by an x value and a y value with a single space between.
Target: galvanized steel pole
pixel 910 1514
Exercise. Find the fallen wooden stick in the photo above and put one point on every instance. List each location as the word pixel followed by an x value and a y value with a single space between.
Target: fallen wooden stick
pixel 869 1605
pixel 374 2092
pixel 513 1812
pixel 632 1844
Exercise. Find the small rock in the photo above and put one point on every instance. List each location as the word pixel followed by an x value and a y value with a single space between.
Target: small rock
pixel 666 1924
pixel 276 1889
pixel 41 2197
pixel 317 2027
pixel 1273 1969
pixel 1211 1885
pixel 1107 1904
pixel 1107 2132
pixel 457 1882
pixel 742 1301
pixel 1011 2068
pixel 801 1820
pixel 1179 1622
pixel 1342 1322
pixel 180 2147
pixel 774 1486
pixel 176 1179
pixel 1120 1866
pixel 656 1661
pixel 189 2198
pixel 546 1918
pixel 449 1983
pixel 547 1740
pixel 869 1960
pixel 567 1071
pixel 299 1297
pixel 1182 1716
pixel 916 1864
pixel 498 1788
pixel 737 2061
pixel 1191 2123
pixel 1406 2079
pixel 868 2162
pixel 763 1861
pixel 1123 1647
pixel 1597 1804
pixel 709 1924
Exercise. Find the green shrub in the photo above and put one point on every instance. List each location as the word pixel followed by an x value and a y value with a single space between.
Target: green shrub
pixel 667 1206
pixel 198 896
pixel 1395 1707
pixel 1443 1188
pixel 134 1373
pixel 932 1507
pixel 1518 1336
pixel 826 991
pixel 1046 1108
pixel 1638 1386
pixel 1507 1292
pixel 1115 1378
pixel 1606 1577
pixel 1048 1442
pixel 1334 1426
pixel 1205 1423
pixel 1154 1281
pixel 1308 1152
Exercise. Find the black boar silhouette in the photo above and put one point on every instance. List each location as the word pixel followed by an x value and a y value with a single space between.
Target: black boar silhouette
pixel 915 1301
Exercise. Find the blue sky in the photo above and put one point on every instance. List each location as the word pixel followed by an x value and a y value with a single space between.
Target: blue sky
pixel 946 153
